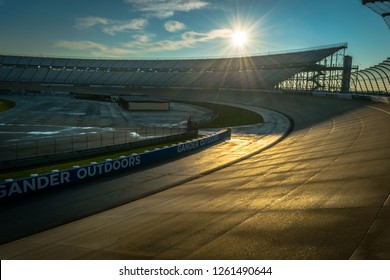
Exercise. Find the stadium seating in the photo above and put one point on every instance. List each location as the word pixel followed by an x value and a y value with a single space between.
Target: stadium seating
pixel 253 72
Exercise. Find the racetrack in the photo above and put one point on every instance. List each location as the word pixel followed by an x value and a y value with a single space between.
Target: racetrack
pixel 321 193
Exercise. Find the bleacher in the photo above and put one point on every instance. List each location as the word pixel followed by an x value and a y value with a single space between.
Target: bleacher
pixel 252 72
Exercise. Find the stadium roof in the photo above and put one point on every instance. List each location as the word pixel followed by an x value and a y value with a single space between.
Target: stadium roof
pixel 381 7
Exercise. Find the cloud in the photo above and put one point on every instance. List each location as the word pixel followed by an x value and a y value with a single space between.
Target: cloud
pixel 166 8
pixel 109 26
pixel 187 40
pixel 143 38
pixel 134 24
pixel 81 45
pixel 174 26
pixel 143 44
pixel 87 22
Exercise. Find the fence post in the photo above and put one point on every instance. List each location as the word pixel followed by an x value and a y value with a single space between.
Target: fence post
pixel 101 140
pixel 36 147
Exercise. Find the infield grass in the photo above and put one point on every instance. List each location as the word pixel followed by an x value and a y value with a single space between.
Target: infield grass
pixel 229 116
pixel 6 105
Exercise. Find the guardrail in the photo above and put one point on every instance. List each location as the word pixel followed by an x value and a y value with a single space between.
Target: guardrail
pixel 35 183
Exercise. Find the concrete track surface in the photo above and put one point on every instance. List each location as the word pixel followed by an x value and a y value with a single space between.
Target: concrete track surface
pixel 321 193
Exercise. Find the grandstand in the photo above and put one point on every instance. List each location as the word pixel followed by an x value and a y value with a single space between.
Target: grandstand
pixel 325 68
pixel 322 68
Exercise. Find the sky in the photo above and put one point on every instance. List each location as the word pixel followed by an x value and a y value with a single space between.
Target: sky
pixel 157 29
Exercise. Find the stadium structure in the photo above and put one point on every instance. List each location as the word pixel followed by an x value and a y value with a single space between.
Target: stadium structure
pixel 376 78
pixel 325 68
pixel 381 7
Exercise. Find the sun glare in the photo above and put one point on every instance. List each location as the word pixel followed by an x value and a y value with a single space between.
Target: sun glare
pixel 239 38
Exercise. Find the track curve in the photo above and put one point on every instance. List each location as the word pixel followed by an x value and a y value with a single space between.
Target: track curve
pixel 321 193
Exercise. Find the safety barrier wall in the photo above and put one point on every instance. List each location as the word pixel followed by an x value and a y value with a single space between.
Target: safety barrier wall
pixel 12 188
pixel 381 99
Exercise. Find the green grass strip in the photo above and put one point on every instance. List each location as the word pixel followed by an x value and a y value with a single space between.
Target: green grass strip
pixel 229 116
pixel 6 105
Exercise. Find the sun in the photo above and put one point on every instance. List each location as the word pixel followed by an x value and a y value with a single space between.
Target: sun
pixel 239 38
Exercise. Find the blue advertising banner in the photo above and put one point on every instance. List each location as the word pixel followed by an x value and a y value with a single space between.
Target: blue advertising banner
pixel 12 188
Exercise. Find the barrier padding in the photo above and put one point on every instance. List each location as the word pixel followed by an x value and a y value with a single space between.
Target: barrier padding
pixel 12 188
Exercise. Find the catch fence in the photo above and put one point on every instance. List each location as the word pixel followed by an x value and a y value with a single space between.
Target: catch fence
pixel 54 145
